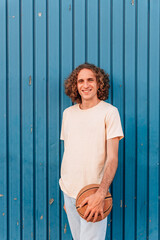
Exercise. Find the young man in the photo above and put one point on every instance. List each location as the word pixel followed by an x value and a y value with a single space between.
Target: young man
pixel 91 130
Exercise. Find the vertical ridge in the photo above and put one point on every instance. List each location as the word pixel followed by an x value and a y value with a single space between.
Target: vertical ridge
pixel 7 120
pixel 136 41
pixel 34 131
pixel 21 147
pixel 159 134
pixel 111 67
pixel 148 114
pixel 86 27
pixel 111 73
pixel 123 235
pixel 60 104
pixel 98 33
pixel 73 36
pixel 47 123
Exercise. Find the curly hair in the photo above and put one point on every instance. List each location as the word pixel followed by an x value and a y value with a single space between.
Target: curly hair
pixel 101 77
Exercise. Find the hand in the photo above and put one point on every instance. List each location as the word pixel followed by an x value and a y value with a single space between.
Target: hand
pixel 95 206
pixel 64 207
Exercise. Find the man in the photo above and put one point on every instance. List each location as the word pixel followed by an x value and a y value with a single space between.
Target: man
pixel 91 130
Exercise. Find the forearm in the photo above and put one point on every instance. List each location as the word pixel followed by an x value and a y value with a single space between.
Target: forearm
pixel 108 176
pixel 96 201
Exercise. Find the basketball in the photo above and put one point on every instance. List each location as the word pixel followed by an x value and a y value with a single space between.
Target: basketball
pixel 86 192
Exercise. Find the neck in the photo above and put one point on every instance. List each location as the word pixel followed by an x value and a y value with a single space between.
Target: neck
pixel 88 104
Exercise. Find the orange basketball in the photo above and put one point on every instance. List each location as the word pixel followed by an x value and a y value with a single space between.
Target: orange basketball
pixel 86 192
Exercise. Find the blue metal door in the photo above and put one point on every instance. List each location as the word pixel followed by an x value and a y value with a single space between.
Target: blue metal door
pixel 41 42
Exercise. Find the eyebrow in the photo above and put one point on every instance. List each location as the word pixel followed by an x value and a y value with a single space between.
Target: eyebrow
pixel 83 79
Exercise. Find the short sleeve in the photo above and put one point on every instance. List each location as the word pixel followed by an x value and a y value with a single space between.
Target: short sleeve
pixel 62 129
pixel 113 125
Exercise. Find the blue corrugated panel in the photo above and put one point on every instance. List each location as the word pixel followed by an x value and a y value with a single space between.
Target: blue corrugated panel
pixel 142 119
pixel 53 103
pixel 14 121
pixel 105 36
pixel 92 32
pixel 153 124
pixel 118 100
pixel 66 58
pixel 40 123
pixel 27 161
pixel 130 120
pixel 79 29
pixel 3 124
pixel 41 42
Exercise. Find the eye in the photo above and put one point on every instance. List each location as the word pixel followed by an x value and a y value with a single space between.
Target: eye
pixel 80 80
pixel 90 80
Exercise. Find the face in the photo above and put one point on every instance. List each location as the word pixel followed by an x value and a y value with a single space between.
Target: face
pixel 87 85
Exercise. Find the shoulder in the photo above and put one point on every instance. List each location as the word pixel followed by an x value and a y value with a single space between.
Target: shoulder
pixel 70 109
pixel 109 108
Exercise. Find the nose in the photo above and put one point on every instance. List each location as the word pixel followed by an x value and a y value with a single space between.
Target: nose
pixel 85 84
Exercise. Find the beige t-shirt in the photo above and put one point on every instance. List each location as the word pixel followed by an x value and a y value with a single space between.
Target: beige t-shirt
pixel 84 133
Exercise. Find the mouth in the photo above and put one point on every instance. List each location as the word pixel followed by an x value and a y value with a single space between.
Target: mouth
pixel 86 91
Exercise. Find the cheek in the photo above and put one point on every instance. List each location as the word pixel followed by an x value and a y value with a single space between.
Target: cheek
pixel 78 88
pixel 96 87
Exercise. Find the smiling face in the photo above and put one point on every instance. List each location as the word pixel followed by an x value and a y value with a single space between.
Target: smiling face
pixel 87 85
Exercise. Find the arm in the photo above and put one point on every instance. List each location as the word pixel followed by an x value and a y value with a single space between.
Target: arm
pixel 111 165
pixel 96 201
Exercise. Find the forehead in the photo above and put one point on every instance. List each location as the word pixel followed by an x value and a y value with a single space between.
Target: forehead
pixel 86 73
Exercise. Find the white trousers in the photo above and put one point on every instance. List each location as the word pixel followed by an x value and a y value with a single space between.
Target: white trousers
pixel 80 228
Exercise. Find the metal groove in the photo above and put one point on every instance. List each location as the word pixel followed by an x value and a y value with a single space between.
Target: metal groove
pixel 73 35
pixel 7 121
pixel 148 114
pixel 21 119
pixel 99 32
pixel 34 128
pixel 136 110
pixel 60 104
pixel 159 141
pixel 111 84
pixel 123 82
pixel 47 121
pixel 86 28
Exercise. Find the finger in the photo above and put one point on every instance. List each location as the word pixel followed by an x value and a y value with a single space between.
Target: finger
pixel 86 213
pixel 95 217
pixel 83 202
pixel 90 215
pixel 64 208
pixel 102 215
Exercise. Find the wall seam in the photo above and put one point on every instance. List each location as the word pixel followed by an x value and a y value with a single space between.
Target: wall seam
pixel 60 109
pixel 21 121
pixel 47 124
pixel 123 233
pixel 136 52
pixel 86 27
pixel 7 120
pixel 111 82
pixel 148 114
pixel 34 130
